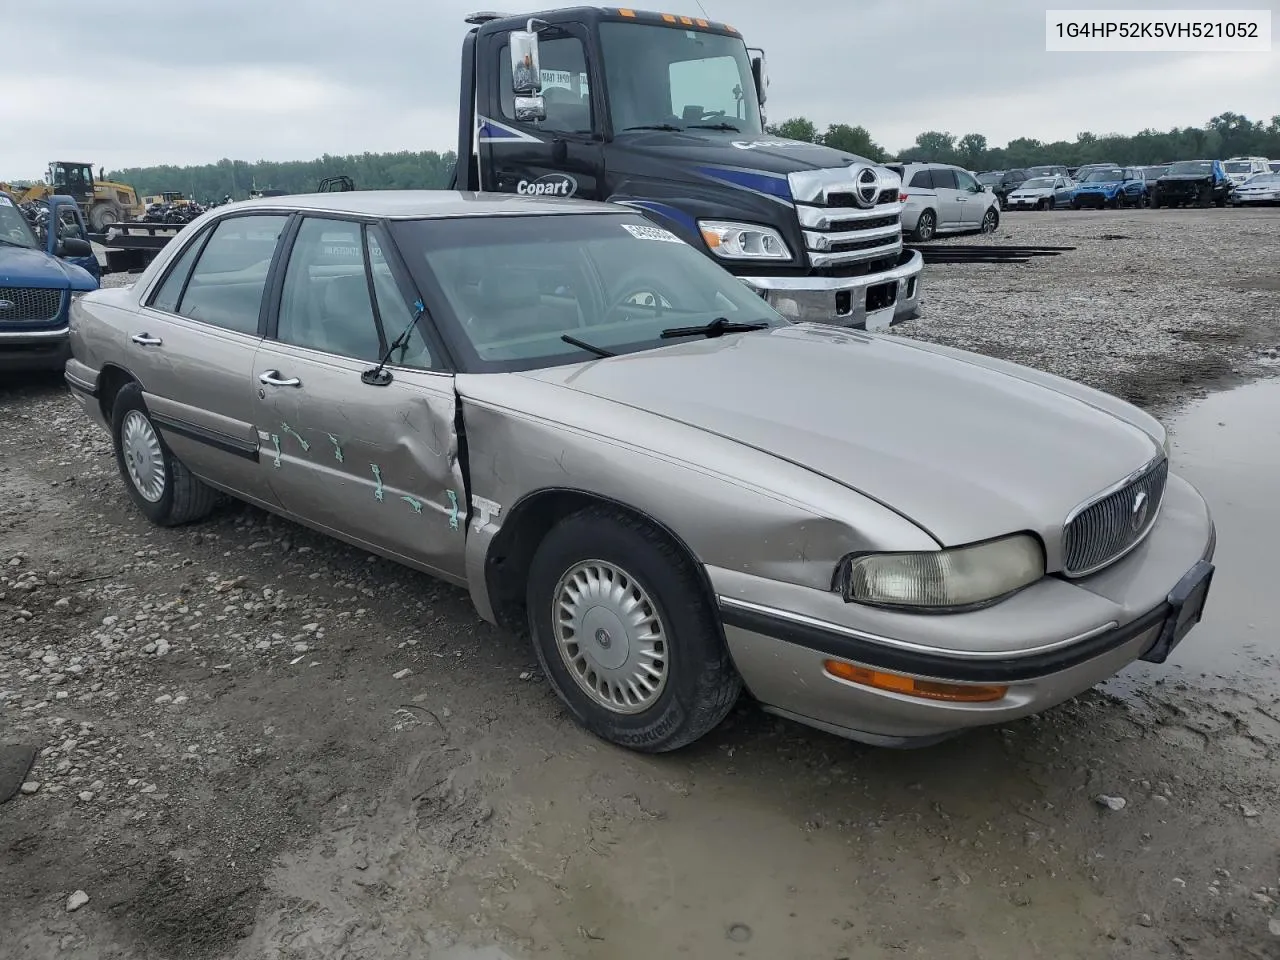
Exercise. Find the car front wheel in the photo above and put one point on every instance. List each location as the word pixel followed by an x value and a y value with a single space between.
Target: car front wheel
pixel 626 634
pixel 990 220
pixel 161 486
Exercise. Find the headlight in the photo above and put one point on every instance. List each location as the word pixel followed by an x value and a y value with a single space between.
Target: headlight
pixel 77 294
pixel 944 580
pixel 743 241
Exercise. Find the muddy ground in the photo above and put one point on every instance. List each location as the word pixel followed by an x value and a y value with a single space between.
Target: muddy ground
pixel 233 764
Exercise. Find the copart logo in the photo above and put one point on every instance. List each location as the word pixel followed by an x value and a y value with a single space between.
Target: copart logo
pixel 762 144
pixel 551 185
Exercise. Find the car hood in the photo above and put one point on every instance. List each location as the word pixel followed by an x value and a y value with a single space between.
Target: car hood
pixel 1032 192
pixel 965 451
pixel 687 151
pixel 1100 185
pixel 21 267
pixel 1184 177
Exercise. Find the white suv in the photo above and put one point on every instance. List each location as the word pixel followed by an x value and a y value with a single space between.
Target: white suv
pixel 943 198
pixel 1240 169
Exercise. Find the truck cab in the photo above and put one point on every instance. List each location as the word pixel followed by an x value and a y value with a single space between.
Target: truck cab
pixel 665 113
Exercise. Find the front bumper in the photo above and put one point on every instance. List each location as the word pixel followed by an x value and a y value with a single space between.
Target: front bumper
pixel 34 350
pixel 871 302
pixel 1047 644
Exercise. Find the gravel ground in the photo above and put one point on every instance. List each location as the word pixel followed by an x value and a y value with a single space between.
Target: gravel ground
pixel 253 743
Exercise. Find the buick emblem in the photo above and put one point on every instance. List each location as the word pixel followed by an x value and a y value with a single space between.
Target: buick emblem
pixel 866 186
pixel 1138 513
pixel 7 304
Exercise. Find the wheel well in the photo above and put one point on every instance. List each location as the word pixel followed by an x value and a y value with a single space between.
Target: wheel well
pixel 111 380
pixel 511 553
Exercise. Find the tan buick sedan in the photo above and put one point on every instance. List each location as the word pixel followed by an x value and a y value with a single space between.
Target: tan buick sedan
pixel 616 446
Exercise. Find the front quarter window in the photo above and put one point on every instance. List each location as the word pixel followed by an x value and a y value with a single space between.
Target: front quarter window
pixel 14 229
pixel 514 287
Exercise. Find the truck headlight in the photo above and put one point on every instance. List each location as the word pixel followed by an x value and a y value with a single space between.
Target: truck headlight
pixel 944 580
pixel 743 241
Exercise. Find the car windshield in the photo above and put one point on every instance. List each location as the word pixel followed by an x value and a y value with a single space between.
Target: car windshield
pixel 1265 180
pixel 1191 166
pixel 664 77
pixel 1236 166
pixel 515 286
pixel 14 229
pixel 1104 176
pixel 1038 182
pixel 1042 172
pixel 990 178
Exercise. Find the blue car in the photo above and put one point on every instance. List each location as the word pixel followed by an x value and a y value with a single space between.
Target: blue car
pixel 1111 187
pixel 40 274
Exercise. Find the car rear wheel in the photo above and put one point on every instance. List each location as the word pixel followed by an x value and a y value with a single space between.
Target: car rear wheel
pixel 626 634
pixel 161 486
pixel 926 226
pixel 990 220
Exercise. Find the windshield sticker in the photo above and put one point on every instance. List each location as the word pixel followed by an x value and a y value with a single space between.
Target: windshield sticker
pixel 5 201
pixel 651 233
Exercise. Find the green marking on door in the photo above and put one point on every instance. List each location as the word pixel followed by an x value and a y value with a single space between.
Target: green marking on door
pixel 275 438
pixel 297 436
pixel 337 448
pixel 377 476
pixel 413 502
pixel 453 515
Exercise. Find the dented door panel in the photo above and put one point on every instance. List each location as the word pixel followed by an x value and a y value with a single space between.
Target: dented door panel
pixel 374 464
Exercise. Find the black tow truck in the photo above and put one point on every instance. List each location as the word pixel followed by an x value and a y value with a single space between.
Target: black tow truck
pixel 665 113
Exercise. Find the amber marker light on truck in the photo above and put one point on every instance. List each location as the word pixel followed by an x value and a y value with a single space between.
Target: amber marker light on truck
pixel 912 687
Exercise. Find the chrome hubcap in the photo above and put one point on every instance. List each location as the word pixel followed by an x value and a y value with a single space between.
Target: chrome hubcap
pixel 142 456
pixel 988 222
pixel 610 636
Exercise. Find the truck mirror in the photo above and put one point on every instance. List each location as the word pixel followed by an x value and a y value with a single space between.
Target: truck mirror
pixel 531 109
pixel 761 74
pixel 75 247
pixel 526 74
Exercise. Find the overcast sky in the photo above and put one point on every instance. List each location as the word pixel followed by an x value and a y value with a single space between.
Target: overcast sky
pixel 153 81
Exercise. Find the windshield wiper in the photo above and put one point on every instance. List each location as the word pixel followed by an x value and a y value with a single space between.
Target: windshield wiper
pixel 589 347
pixel 653 126
pixel 715 126
pixel 378 376
pixel 716 328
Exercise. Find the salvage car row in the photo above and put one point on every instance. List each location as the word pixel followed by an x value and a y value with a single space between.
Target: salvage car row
pixel 543 401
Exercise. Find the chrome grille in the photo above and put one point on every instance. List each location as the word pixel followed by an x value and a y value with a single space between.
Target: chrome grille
pixel 37 304
pixel 838 231
pixel 1103 531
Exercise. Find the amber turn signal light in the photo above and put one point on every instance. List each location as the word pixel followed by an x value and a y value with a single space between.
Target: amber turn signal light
pixel 912 687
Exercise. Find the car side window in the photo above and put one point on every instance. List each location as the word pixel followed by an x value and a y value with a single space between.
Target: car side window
pixel 944 178
pixel 396 315
pixel 325 304
pixel 562 61
pixel 166 298
pixel 230 275
pixel 922 180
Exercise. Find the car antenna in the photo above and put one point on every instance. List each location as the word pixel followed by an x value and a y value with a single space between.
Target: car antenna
pixel 379 376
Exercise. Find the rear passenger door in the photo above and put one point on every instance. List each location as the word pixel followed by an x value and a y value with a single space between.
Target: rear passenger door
pixel 373 460
pixel 192 346
pixel 950 203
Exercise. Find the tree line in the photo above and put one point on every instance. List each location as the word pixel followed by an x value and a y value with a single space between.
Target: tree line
pixel 1226 135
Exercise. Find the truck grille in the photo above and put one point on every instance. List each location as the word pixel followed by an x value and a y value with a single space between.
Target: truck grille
pixel 838 230
pixel 36 304
pixel 1109 527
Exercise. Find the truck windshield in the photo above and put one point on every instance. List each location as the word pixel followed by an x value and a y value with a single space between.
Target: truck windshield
pixel 14 230
pixel 515 286
pixel 664 77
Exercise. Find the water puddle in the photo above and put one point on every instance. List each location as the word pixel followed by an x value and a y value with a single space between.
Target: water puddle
pixel 1228 446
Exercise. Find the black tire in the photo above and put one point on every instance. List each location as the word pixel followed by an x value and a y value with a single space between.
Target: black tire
pixel 1220 202
pixel 1042 205
pixel 1075 204
pixel 101 215
pixel 990 220
pixel 184 499
pixel 701 683
pixel 926 226
pixel 1051 203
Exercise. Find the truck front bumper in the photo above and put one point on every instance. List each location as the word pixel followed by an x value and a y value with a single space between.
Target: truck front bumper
pixel 871 302
pixel 34 350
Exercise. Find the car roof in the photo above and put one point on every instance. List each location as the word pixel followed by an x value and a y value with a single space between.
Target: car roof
pixel 423 204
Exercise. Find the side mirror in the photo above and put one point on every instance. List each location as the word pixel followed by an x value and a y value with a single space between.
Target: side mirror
pixel 760 71
pixel 526 71
pixel 531 109
pixel 75 247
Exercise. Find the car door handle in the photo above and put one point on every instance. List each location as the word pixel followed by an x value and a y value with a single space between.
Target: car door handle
pixel 273 378
pixel 146 340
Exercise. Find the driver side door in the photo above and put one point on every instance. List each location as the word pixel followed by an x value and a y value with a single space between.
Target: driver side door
pixel 560 156
pixel 371 460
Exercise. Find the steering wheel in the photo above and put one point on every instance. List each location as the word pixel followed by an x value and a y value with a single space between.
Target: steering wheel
pixel 641 295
